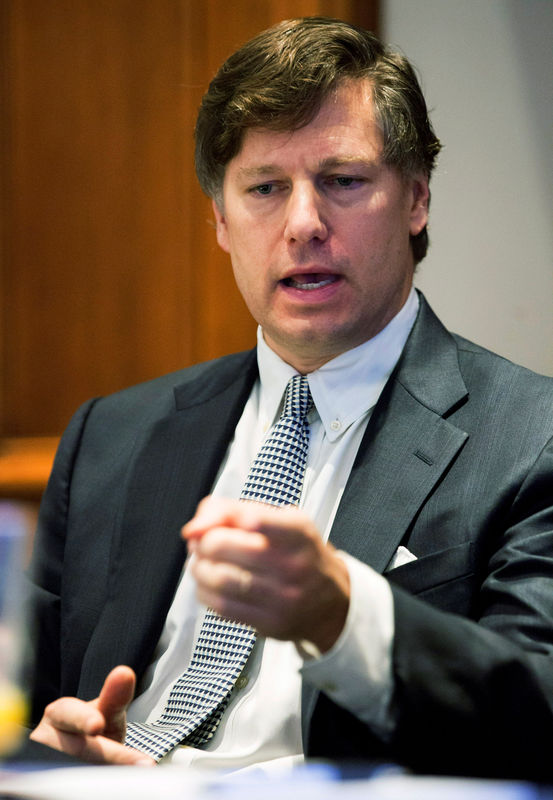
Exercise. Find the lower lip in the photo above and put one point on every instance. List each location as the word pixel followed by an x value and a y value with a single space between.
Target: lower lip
pixel 318 295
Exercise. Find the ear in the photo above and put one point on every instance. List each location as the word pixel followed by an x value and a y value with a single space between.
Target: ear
pixel 420 200
pixel 221 227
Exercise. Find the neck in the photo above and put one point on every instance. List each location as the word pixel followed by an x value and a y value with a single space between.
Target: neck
pixel 309 357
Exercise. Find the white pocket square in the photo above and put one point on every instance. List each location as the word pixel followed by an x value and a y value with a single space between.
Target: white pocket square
pixel 400 557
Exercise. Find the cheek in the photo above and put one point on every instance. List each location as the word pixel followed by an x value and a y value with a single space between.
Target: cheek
pixel 389 235
pixel 248 279
pixel 381 253
pixel 369 243
pixel 249 255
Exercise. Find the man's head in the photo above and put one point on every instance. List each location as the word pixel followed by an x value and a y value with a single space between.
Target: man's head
pixel 279 80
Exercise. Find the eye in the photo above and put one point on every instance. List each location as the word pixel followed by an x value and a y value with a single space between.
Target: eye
pixel 344 181
pixel 263 189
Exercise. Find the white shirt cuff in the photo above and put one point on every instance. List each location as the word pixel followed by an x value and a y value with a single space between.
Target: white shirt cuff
pixel 356 672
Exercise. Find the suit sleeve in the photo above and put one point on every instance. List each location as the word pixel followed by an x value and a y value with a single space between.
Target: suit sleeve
pixel 476 696
pixel 45 573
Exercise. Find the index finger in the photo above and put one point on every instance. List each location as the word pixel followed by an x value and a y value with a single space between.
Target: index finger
pixel 211 512
pixel 283 524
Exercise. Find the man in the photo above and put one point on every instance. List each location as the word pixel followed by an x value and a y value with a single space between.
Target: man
pixel 405 611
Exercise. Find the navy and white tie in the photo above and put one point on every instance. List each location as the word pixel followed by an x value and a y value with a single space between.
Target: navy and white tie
pixel 200 696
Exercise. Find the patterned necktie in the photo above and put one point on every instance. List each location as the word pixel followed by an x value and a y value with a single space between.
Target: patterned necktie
pixel 200 696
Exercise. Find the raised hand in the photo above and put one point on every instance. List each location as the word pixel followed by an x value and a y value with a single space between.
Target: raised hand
pixel 93 731
pixel 269 568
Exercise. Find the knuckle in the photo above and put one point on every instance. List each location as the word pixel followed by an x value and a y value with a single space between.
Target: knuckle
pixel 293 596
pixel 300 567
pixel 51 708
pixel 208 545
pixel 224 607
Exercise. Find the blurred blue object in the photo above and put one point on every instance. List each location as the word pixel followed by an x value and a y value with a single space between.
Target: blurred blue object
pixel 14 532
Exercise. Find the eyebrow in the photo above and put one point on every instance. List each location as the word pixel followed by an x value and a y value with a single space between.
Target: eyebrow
pixel 348 161
pixel 332 162
pixel 258 172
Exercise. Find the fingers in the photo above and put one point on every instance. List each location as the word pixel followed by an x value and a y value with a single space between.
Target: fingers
pixel 100 750
pixel 113 701
pixel 282 526
pixel 93 731
pixel 233 545
pixel 212 512
pixel 230 590
pixel 95 749
pixel 313 608
pixel 70 715
pixel 269 568
pixel 222 512
pixel 117 691
pixel 237 543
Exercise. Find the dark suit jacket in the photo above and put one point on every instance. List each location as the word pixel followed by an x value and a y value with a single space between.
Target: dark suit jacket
pixel 456 464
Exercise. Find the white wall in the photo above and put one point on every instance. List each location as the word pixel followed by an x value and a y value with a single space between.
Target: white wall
pixel 487 72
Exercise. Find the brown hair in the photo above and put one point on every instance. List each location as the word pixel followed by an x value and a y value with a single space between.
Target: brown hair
pixel 279 80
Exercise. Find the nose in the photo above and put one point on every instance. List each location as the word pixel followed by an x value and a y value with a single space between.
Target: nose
pixel 304 216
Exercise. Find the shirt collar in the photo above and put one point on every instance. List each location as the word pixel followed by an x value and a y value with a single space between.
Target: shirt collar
pixel 346 387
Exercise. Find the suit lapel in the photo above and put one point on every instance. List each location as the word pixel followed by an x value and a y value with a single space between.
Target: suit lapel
pixel 396 469
pixel 406 449
pixel 174 466
pixel 407 446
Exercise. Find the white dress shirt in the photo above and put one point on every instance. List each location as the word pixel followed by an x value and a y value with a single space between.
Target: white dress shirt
pixel 261 725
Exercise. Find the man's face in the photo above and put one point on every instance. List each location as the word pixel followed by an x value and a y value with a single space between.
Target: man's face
pixel 318 229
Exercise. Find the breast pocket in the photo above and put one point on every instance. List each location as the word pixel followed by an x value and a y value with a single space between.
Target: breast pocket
pixel 445 579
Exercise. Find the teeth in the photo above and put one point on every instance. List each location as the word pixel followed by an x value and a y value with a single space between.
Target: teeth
pixel 315 285
pixel 309 285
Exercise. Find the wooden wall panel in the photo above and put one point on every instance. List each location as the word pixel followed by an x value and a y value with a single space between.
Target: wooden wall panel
pixel 95 282
pixel 110 272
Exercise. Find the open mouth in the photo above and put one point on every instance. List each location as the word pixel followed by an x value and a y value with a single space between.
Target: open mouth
pixel 310 282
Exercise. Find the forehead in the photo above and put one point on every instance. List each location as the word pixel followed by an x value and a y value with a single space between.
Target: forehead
pixel 344 127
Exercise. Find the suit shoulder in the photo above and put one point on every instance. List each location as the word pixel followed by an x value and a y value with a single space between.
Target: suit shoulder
pixel 486 360
pixel 506 388
pixel 157 397
pixel 215 371
pixel 107 427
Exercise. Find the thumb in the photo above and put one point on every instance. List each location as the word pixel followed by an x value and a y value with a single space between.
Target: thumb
pixel 114 699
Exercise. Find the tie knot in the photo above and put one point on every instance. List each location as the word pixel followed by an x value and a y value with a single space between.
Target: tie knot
pixel 297 398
